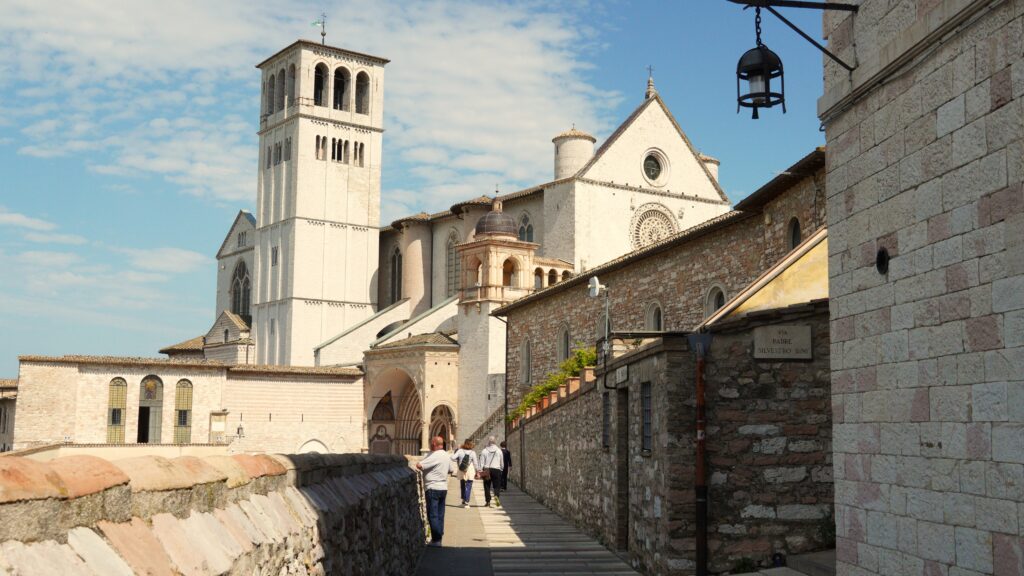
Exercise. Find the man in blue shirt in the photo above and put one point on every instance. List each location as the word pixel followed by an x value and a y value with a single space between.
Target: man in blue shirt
pixel 435 466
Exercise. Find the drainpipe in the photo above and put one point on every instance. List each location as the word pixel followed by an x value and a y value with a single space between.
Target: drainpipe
pixel 701 343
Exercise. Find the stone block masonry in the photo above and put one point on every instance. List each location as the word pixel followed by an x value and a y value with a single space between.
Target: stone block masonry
pixel 926 160
pixel 242 514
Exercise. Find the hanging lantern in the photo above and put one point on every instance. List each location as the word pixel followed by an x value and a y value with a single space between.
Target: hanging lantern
pixel 758 67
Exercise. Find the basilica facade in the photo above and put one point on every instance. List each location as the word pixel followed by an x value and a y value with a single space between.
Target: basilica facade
pixel 312 284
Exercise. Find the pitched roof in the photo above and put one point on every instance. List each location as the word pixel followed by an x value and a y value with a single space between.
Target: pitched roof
pixel 236 320
pixel 429 339
pixel 803 168
pixel 190 345
pixel 185 363
pixel 658 247
pixel 242 214
pixel 788 261
pixel 632 118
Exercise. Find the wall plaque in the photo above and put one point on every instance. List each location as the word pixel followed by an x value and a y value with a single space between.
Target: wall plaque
pixel 788 342
pixel 622 374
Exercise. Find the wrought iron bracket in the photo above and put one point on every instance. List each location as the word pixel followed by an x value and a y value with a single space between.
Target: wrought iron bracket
pixel 768 5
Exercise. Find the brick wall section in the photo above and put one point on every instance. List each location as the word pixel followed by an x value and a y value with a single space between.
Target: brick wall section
pixel 928 360
pixel 679 280
pixel 769 443
pixel 307 514
pixel 769 452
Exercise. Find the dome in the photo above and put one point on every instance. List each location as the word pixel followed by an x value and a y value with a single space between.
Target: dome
pixel 496 222
pixel 574 133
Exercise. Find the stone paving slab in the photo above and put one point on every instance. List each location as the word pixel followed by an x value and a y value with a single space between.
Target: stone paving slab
pixel 521 538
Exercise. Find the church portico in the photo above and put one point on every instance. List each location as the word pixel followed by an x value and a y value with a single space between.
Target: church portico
pixel 405 381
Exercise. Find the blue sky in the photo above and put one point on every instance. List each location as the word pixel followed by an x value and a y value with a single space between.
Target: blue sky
pixel 128 130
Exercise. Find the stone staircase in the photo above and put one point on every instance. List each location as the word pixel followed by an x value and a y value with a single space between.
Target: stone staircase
pixel 494 424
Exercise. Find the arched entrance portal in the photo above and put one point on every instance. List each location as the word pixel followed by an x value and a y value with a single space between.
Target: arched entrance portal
pixel 395 425
pixel 442 424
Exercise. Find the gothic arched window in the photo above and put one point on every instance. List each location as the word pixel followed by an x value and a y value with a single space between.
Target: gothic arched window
pixel 396 275
pixel 362 93
pixel 240 285
pixel 453 267
pixel 320 84
pixel 118 392
pixel 183 412
pixel 564 344
pixel 509 271
pixel 341 81
pixel 525 229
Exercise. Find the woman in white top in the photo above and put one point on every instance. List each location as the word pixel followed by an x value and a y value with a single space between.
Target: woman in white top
pixel 465 459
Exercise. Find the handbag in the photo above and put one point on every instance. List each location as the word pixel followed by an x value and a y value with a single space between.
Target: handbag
pixel 485 474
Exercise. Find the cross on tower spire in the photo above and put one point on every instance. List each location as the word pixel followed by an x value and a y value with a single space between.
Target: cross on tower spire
pixel 651 91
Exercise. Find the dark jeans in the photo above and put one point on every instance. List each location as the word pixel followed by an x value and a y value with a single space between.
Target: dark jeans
pixel 494 482
pixel 466 488
pixel 435 513
pixel 504 479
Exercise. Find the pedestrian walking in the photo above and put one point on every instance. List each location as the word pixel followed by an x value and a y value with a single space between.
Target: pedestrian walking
pixel 436 467
pixel 507 461
pixel 492 463
pixel 468 465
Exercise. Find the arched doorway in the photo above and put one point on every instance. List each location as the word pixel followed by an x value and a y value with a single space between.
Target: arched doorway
pixel 395 414
pixel 442 424
pixel 313 446
pixel 151 404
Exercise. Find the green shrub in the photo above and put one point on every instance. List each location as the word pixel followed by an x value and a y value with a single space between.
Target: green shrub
pixel 571 367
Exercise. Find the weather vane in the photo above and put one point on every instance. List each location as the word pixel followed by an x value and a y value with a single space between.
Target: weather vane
pixel 322 23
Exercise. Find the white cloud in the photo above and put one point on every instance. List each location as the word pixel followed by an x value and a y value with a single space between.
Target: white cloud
pixel 51 238
pixel 23 221
pixel 477 88
pixel 170 260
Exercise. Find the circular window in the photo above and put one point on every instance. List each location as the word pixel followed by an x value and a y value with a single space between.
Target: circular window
pixel 655 167
pixel 652 167
pixel 651 223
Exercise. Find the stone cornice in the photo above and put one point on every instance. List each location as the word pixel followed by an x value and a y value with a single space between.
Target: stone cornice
pixel 327 121
pixel 654 192
pixel 319 222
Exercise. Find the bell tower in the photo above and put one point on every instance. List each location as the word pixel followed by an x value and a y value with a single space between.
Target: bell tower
pixel 317 198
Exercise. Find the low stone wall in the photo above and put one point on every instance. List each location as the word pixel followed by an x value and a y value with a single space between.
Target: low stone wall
pixel 241 514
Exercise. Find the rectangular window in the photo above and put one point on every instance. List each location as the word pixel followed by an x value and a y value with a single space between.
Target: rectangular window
pixel 115 417
pixel 287 149
pixel 271 326
pixel 268 156
pixel 273 256
pixel 606 420
pixel 182 417
pixel 645 417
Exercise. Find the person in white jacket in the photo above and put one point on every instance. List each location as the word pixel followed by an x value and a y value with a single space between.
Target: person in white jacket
pixel 465 460
pixel 492 461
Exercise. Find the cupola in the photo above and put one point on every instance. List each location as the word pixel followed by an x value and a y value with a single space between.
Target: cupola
pixel 496 222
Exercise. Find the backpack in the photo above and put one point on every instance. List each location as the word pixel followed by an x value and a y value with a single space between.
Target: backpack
pixel 464 463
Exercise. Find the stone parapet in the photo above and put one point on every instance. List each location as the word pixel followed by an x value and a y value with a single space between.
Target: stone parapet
pixel 305 513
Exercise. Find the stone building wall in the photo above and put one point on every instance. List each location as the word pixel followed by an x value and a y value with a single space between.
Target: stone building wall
pixel 243 514
pixel 769 443
pixel 926 160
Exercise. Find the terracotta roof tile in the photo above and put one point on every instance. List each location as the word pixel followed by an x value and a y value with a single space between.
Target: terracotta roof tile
pixel 432 338
pixel 574 133
pixel 190 345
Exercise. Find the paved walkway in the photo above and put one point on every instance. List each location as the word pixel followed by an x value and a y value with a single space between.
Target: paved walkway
pixel 522 537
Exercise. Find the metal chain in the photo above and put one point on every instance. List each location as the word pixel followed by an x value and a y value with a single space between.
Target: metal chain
pixel 757 24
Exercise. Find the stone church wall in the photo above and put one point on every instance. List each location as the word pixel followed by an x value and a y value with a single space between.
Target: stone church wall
pixel 926 160
pixel 243 514
pixel 768 441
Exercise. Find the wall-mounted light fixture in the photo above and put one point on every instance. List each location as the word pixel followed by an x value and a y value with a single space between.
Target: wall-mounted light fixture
pixel 759 66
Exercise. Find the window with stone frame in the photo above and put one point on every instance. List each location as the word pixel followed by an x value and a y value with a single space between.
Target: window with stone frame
pixel 653 321
pixel 564 344
pixel 396 275
pixel 646 418
pixel 525 364
pixel 795 236
pixel 116 404
pixel 525 229
pixel 273 255
pixel 715 300
pixel 183 412
pixel 453 267
pixel 240 290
